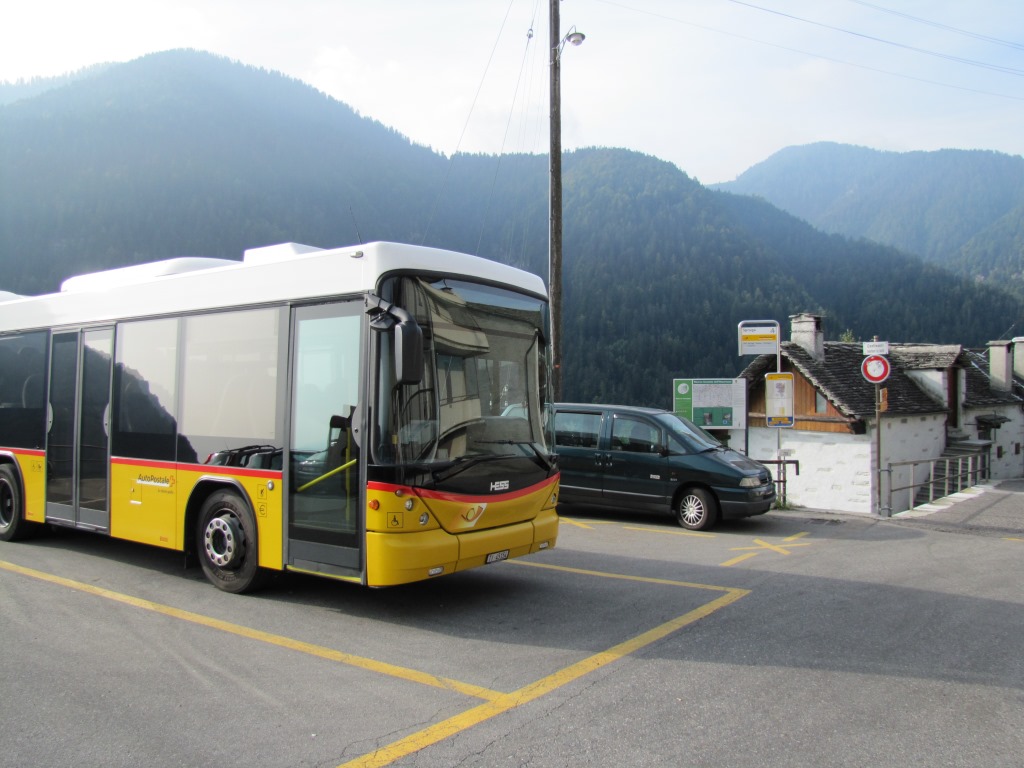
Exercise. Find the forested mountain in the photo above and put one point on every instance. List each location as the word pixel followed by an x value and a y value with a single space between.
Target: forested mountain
pixel 961 209
pixel 184 153
pixel 23 89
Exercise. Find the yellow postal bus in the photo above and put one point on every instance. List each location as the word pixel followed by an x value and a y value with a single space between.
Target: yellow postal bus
pixel 375 414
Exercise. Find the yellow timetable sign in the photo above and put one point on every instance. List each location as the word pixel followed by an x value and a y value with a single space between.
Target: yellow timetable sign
pixel 778 399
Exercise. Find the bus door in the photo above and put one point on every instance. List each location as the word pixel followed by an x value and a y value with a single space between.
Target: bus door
pixel 78 429
pixel 324 489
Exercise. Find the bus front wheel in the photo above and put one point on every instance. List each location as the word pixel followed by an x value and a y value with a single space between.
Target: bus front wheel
pixel 13 524
pixel 227 545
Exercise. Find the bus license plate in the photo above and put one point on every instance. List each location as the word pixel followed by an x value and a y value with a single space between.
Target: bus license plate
pixel 497 557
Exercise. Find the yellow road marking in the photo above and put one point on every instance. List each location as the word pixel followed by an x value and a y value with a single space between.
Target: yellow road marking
pixel 495 703
pixel 589 525
pixel 670 531
pixel 628 577
pixel 764 546
pixel 739 559
pixel 322 652
pixel 453 725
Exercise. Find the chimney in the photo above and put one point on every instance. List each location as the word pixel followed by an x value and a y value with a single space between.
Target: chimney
pixel 1000 367
pixel 805 330
pixel 1018 356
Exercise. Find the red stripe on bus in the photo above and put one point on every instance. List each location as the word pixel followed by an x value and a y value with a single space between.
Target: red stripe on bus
pixel 209 469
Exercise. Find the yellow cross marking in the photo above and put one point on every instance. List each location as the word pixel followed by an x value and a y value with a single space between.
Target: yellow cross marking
pixel 764 546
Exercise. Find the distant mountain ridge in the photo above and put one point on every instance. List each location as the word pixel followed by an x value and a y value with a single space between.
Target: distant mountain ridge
pixel 24 89
pixel 963 209
pixel 185 153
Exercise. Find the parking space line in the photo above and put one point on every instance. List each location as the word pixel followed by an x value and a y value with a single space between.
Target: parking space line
pixel 320 651
pixel 669 531
pixel 588 525
pixel 628 577
pixel 454 725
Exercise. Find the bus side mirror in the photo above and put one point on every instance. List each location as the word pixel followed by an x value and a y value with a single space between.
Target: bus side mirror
pixel 408 337
pixel 408 352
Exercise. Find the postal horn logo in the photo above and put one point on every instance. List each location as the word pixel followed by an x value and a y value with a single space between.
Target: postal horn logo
pixel 474 513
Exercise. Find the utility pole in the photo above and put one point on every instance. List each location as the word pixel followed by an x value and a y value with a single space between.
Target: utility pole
pixel 555 201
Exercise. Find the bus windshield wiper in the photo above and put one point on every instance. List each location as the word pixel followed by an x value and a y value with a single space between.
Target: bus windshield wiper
pixel 465 462
pixel 542 460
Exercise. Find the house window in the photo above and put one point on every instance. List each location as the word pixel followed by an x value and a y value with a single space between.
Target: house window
pixel 820 403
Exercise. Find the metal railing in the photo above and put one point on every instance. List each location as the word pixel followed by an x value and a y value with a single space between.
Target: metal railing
pixel 779 476
pixel 946 476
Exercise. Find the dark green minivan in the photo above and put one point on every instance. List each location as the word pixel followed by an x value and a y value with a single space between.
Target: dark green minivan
pixel 646 459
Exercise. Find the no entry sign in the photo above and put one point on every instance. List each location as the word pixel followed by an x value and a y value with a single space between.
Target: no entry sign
pixel 875 368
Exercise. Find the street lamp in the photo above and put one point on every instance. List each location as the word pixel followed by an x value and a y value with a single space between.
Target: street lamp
pixel 574 37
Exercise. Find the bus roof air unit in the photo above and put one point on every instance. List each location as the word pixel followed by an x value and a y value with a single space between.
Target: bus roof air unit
pixel 140 273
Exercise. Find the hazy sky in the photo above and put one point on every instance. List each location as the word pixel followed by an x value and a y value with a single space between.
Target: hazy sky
pixel 713 86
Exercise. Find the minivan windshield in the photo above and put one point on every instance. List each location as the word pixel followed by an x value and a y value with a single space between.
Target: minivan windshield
pixel 692 436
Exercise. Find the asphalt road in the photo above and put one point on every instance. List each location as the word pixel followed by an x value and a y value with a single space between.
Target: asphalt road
pixel 799 638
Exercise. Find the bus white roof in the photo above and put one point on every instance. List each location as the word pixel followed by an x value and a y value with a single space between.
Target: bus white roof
pixel 288 271
pixel 140 273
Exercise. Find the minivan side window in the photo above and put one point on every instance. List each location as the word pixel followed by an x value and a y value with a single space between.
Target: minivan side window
pixel 634 436
pixel 675 445
pixel 577 430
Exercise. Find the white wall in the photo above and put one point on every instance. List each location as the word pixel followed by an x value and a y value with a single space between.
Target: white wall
pixel 1009 437
pixel 835 469
pixel 909 438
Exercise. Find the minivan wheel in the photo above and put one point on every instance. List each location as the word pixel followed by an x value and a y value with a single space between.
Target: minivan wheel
pixel 696 509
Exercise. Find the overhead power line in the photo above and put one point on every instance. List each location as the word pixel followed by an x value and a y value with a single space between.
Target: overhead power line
pixel 802 52
pixel 873 38
pixel 946 27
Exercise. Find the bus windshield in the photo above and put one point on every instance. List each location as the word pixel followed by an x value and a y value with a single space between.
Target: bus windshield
pixel 484 388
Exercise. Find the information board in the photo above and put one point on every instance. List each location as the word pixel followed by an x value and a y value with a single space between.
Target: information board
pixel 711 403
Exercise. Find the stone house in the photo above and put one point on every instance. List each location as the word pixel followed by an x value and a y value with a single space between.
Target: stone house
pixel 941 402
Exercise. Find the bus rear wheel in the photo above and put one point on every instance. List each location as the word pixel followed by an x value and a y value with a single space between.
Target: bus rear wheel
pixel 227 545
pixel 13 525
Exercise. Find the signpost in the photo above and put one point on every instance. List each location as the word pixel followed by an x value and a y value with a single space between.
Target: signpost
pixel 875 369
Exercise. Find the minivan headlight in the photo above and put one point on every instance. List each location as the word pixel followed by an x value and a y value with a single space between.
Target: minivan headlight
pixel 750 482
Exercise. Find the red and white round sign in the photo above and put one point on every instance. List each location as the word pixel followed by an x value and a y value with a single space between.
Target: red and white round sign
pixel 875 368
